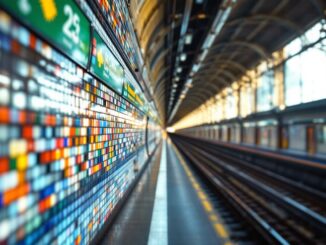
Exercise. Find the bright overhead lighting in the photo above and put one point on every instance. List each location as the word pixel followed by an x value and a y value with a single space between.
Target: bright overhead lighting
pixel 179 69
pixel 170 129
pixel 195 68
pixel 189 83
pixel 203 55
pixel 209 41
pixel 188 38
pixel 177 79
pixel 215 29
pixel 183 57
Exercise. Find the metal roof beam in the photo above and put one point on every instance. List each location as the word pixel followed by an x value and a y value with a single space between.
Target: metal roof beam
pixel 273 18
pixel 256 48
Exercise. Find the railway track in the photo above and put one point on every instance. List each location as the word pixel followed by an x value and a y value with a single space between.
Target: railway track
pixel 281 210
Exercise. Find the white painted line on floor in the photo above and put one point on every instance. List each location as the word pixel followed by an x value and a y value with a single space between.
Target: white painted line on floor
pixel 158 233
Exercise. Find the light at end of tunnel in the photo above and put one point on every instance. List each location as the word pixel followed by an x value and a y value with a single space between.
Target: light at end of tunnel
pixel 170 130
pixel 164 134
pixel 282 107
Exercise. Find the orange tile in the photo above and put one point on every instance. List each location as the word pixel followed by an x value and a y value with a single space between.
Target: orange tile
pixel 21 177
pixel 32 41
pixel 15 193
pixel 72 131
pixel 41 206
pixel 45 157
pixel 22 117
pixel 15 46
pixel 30 145
pixel 78 240
pixel 27 132
pixel 53 120
pixel 4 165
pixel 4 115
pixel 90 226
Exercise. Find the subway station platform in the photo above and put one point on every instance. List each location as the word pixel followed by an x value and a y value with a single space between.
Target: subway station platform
pixel 168 206
pixel 162 122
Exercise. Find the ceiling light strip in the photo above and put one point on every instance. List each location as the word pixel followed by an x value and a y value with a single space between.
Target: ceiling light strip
pixel 216 28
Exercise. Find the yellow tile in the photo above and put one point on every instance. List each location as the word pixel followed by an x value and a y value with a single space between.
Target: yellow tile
pixel 22 162
pixel 21 177
pixel 57 154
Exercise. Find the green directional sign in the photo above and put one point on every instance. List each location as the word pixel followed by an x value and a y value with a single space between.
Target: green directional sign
pixel 129 92
pixel 105 65
pixel 140 101
pixel 61 22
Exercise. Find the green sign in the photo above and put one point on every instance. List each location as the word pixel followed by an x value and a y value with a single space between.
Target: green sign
pixel 140 101
pixel 130 93
pixel 59 21
pixel 105 65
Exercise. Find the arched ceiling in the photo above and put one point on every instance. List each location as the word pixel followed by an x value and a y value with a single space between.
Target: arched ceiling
pixel 173 33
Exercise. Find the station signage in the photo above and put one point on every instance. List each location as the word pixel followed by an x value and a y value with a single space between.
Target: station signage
pixel 130 93
pixel 105 65
pixel 59 22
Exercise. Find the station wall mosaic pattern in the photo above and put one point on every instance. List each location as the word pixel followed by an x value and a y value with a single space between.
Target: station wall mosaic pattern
pixel 66 144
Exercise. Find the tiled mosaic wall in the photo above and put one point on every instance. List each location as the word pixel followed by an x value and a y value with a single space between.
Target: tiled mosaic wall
pixel 66 144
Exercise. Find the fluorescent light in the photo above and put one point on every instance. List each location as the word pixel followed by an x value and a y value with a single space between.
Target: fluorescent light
pixel 183 57
pixel 188 38
pixel 203 55
pixel 179 69
pixel 195 68
pixel 216 28
pixel 209 41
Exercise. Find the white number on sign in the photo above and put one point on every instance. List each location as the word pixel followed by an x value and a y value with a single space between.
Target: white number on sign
pixel 25 6
pixel 71 27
